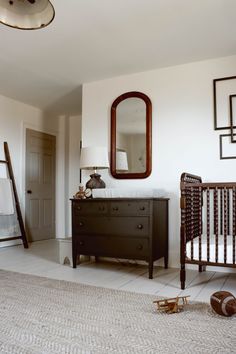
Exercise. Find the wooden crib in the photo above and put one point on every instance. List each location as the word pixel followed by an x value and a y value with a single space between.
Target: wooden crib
pixel 208 224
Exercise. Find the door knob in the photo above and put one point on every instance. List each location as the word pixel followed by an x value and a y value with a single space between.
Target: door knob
pixel 29 192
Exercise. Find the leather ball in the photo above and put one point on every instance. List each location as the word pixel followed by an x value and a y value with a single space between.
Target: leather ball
pixel 223 303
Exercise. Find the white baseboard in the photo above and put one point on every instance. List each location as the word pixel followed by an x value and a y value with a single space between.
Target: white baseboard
pixel 65 251
pixel 10 243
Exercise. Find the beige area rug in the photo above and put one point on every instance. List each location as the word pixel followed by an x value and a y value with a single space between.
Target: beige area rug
pixel 41 315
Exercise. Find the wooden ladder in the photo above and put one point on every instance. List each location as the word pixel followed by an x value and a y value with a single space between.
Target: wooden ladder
pixel 8 164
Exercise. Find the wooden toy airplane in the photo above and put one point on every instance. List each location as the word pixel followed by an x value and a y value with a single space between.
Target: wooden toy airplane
pixel 173 305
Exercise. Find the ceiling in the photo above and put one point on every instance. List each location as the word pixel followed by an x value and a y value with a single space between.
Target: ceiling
pixel 96 39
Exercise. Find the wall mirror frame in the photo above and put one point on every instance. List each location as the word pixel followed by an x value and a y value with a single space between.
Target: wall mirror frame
pixel 148 138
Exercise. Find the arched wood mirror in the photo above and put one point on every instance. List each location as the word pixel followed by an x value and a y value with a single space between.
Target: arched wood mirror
pixel 131 136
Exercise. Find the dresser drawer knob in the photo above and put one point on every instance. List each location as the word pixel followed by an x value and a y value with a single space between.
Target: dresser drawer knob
pixel 81 224
pixel 140 247
pixel 115 208
pixel 140 226
pixel 78 207
pixel 81 243
pixel 142 208
pixel 101 208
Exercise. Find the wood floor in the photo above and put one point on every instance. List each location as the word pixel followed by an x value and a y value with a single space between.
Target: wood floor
pixel 42 259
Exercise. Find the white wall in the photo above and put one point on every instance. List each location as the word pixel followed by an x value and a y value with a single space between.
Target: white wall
pixel 73 165
pixel 15 117
pixel 183 134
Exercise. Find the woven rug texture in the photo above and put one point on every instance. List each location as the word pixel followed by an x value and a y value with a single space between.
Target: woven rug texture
pixel 44 316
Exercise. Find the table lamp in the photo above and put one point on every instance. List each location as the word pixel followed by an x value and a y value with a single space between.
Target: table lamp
pixel 94 158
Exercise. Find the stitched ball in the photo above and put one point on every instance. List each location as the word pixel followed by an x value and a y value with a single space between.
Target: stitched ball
pixel 223 303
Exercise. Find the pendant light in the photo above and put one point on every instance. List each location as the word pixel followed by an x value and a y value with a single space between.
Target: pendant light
pixel 26 14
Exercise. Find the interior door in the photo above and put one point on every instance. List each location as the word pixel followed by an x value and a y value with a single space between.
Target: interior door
pixel 40 185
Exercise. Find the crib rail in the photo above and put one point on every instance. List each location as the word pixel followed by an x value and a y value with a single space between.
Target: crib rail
pixel 227 185
pixel 208 214
pixel 208 223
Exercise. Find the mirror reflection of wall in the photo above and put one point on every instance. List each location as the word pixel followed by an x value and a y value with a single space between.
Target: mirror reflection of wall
pixel 131 133
pixel 135 147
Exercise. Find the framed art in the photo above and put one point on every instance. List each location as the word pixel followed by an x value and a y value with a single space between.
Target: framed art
pixel 223 88
pixel 232 109
pixel 227 149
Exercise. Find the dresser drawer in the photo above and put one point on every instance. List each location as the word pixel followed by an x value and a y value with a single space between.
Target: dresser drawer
pixel 113 246
pixel 87 208
pixel 91 225
pixel 116 226
pixel 130 208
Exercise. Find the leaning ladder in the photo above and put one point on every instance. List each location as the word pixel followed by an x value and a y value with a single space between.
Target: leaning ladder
pixel 8 164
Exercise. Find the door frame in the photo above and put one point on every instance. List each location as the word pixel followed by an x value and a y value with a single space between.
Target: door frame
pixel 23 164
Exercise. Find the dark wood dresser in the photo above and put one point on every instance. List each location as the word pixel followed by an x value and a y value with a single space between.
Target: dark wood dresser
pixel 121 228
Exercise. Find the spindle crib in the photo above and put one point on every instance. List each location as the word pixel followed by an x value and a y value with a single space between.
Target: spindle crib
pixel 208 224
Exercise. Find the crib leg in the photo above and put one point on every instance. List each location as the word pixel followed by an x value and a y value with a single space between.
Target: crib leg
pixel 201 268
pixel 166 261
pixel 182 276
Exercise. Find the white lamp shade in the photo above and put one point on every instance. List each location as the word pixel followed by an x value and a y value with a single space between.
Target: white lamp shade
pixel 93 158
pixel 26 14
pixel 121 161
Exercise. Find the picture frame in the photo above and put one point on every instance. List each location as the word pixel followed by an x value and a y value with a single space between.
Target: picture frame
pixel 232 110
pixel 222 156
pixel 222 89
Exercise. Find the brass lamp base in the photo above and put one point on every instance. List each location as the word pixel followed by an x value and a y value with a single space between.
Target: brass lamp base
pixel 95 182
